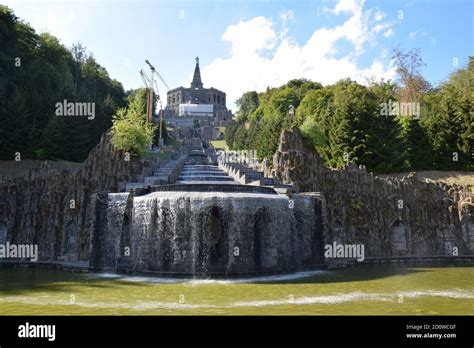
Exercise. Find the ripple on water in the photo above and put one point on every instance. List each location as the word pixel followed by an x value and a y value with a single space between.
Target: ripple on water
pixel 356 291
pixel 195 281
pixel 327 299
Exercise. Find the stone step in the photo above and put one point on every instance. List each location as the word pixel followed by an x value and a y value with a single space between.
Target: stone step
pixel 200 168
pixel 188 173
pixel 154 180
pixel 207 178
pixel 246 170
pixel 253 176
pixel 262 182
pixel 133 185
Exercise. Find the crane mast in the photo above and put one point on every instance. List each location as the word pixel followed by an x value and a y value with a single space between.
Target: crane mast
pixel 149 96
pixel 151 84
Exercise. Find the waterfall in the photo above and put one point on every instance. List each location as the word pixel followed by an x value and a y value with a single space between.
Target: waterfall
pixel 212 232
pixel 206 224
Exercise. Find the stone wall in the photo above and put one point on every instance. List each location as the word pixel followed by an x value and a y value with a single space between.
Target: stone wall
pixel 49 207
pixel 390 217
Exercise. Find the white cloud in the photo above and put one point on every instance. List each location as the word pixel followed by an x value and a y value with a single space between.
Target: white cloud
pixel 250 37
pixel 379 15
pixel 422 34
pixel 288 15
pixel 383 26
pixel 389 33
pixel 285 18
pixel 66 21
pixel 252 67
pixel 348 6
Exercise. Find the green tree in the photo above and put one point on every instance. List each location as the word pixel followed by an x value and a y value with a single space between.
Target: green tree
pixel 36 72
pixel 449 119
pixel 247 103
pixel 418 153
pixel 311 131
pixel 53 140
pixel 229 134
pixel 344 121
pixel 240 138
pixel 130 130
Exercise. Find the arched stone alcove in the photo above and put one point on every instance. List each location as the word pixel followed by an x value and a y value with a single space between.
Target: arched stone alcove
pixel 166 222
pixel 3 232
pixel 214 235
pixel 337 231
pixel 259 226
pixel 211 256
pixel 71 242
pixel 398 236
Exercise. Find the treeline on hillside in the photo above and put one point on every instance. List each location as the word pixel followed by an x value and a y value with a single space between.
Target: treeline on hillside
pixel 348 121
pixel 36 73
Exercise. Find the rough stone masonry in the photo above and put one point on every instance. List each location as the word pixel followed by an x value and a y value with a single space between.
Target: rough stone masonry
pixel 390 217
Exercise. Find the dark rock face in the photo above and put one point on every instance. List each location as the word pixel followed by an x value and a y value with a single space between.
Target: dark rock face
pixel 49 207
pixel 390 217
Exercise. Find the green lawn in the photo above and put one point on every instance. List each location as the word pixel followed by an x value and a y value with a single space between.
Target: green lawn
pixel 219 145
pixel 448 177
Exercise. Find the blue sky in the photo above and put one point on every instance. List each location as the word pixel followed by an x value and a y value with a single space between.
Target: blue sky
pixel 246 45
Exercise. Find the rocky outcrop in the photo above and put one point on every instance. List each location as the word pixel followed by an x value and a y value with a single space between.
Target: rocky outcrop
pixel 390 217
pixel 49 207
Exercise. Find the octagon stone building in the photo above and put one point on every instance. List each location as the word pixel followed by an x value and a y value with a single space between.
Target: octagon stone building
pixel 206 101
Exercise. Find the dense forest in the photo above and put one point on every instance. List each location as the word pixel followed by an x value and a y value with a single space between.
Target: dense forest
pixel 348 121
pixel 36 73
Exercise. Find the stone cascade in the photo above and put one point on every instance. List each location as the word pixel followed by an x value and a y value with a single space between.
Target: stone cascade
pixel 244 174
pixel 206 233
pixel 206 224
pixel 193 173
pixel 168 173
pixel 200 167
pixel 162 174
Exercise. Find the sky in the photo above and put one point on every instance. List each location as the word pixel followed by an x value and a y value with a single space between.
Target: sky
pixel 250 45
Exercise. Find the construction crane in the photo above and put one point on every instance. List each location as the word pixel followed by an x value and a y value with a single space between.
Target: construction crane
pixel 157 73
pixel 149 95
pixel 151 84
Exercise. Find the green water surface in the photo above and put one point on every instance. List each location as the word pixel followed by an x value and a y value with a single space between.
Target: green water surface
pixel 362 290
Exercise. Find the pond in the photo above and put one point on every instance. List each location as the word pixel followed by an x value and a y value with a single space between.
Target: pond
pixel 362 290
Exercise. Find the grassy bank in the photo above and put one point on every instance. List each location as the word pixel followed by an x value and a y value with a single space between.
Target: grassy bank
pixel 220 145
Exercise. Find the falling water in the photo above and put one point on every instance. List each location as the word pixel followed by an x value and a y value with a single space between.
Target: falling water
pixel 207 223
